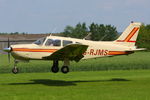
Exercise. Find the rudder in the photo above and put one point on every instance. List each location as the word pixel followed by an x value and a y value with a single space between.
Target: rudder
pixel 129 36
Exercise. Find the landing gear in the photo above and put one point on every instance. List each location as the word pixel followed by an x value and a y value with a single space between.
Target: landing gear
pixel 15 70
pixel 55 67
pixel 65 69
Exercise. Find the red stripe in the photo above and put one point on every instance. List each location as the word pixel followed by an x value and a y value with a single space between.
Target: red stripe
pixel 132 41
pixel 123 41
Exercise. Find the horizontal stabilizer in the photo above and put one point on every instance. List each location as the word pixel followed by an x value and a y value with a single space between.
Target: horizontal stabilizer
pixel 139 49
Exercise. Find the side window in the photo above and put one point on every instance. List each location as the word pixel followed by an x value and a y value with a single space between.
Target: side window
pixel 52 42
pixel 66 42
pixel 56 42
pixel 49 42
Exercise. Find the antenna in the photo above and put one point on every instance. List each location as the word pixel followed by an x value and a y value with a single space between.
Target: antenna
pixel 103 37
pixel 54 29
pixel 87 36
pixel 50 34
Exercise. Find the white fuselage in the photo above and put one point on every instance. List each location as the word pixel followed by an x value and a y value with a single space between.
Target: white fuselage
pixel 95 49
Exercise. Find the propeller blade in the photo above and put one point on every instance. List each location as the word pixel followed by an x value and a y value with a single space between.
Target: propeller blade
pixel 9 57
pixel 8 52
pixel 8 43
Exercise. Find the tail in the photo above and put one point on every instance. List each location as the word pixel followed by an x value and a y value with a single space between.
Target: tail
pixel 129 36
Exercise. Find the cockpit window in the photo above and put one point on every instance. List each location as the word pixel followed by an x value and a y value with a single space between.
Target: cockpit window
pixel 49 42
pixel 66 42
pixel 53 42
pixel 40 41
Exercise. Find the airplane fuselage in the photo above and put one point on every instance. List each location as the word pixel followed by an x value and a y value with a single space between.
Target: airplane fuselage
pixel 95 49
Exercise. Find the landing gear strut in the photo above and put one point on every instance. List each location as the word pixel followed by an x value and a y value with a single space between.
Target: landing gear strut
pixel 55 67
pixel 15 70
pixel 65 68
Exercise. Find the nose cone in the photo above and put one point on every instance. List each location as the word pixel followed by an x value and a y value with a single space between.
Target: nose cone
pixel 7 49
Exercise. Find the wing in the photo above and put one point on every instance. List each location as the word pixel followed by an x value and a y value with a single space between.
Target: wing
pixel 71 52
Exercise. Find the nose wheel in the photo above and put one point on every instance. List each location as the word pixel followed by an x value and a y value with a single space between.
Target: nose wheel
pixel 15 70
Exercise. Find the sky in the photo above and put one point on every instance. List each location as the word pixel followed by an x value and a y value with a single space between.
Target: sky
pixel 52 16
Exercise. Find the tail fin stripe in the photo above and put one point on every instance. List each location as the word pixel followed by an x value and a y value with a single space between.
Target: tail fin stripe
pixel 131 34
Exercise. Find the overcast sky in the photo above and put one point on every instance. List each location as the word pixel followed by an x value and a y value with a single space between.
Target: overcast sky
pixel 43 16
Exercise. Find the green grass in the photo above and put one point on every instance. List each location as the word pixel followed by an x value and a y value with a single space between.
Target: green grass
pixel 138 60
pixel 89 85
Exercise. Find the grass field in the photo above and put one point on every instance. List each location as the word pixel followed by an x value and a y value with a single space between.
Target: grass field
pixel 88 85
pixel 138 60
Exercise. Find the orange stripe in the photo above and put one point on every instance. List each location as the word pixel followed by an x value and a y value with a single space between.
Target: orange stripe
pixel 116 52
pixel 119 52
pixel 131 34
pixel 33 50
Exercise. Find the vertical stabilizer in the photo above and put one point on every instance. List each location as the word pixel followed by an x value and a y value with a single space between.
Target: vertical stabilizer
pixel 129 36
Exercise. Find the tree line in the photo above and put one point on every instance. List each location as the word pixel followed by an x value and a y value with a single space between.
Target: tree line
pixel 97 32
pixel 12 33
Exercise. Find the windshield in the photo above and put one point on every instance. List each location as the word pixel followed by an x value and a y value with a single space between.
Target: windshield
pixel 39 41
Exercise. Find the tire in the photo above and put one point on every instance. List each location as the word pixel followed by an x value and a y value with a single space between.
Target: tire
pixel 55 69
pixel 65 69
pixel 15 70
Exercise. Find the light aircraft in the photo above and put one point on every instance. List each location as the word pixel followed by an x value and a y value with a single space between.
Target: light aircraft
pixel 67 49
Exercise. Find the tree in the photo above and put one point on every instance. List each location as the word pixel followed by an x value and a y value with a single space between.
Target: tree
pixel 68 31
pixel 103 32
pixel 79 31
pixel 110 32
pixel 143 40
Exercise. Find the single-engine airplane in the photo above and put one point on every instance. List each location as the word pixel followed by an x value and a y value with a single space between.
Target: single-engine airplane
pixel 67 49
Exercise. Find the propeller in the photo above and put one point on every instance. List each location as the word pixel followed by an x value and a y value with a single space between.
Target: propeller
pixel 8 50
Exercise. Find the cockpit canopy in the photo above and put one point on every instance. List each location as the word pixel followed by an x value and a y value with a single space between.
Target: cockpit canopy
pixel 40 41
pixel 52 42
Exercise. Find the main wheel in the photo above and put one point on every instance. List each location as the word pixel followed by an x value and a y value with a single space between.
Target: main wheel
pixel 15 70
pixel 55 69
pixel 65 69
